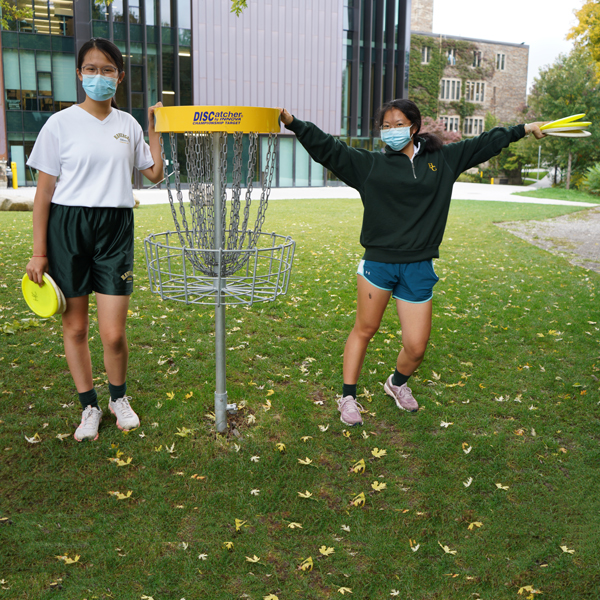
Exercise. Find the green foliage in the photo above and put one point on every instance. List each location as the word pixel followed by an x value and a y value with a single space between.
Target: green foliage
pixel 424 80
pixel 565 88
pixel 587 32
pixel 10 12
pixel 591 182
pixel 237 6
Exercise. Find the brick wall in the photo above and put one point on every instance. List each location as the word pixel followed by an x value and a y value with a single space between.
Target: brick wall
pixel 421 15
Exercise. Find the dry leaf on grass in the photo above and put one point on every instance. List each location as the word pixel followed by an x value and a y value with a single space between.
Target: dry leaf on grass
pixel 377 453
pixel 306 564
pixel 446 549
pixel 325 551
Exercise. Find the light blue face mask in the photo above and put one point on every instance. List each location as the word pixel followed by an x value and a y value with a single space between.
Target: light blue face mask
pixel 98 87
pixel 396 137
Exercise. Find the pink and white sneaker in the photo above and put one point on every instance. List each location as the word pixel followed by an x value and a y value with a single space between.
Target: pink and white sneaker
pixel 90 421
pixel 402 394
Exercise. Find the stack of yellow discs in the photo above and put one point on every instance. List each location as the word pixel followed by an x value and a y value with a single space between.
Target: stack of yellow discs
pixel 45 300
pixel 567 127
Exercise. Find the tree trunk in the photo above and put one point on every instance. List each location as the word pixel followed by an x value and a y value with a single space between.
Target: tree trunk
pixel 569 170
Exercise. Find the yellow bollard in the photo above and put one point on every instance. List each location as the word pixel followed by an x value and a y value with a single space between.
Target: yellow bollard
pixel 13 168
pixel 492 181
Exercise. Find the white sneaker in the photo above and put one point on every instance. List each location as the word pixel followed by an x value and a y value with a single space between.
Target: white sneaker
pixel 90 421
pixel 126 417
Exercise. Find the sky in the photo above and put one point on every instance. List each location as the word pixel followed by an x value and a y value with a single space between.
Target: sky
pixel 541 24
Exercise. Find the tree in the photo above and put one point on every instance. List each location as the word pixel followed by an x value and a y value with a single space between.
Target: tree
pixel 237 6
pixel 429 125
pixel 10 12
pixel 569 87
pixel 587 32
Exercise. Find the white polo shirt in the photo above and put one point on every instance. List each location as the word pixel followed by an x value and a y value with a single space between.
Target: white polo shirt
pixel 92 159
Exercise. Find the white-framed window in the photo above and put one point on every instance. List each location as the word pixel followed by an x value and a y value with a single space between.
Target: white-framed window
pixel 451 54
pixel 473 126
pixel 425 55
pixel 474 91
pixel 450 89
pixel 476 58
pixel 500 61
pixel 451 122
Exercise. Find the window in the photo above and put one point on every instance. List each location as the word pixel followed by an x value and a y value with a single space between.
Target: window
pixel 425 55
pixel 450 89
pixel 473 126
pixel 476 58
pixel 500 61
pixel 451 123
pixel 451 56
pixel 474 91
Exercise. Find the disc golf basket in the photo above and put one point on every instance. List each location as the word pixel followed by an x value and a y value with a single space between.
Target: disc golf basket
pixel 218 254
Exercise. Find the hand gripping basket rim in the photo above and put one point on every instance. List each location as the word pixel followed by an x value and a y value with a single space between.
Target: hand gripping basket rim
pixel 208 119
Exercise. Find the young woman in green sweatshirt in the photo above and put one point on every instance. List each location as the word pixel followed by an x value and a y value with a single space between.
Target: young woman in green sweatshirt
pixel 405 191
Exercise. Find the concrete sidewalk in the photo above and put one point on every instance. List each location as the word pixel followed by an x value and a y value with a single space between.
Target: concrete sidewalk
pixel 462 191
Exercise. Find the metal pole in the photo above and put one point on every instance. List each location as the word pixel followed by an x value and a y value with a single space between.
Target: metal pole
pixel 220 389
pixel 539 157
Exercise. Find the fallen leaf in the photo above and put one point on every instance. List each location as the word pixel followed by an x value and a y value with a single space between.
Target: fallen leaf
pixel 530 589
pixel 365 434
pixel 325 551
pixel 306 494
pixel 306 564
pixel 184 431
pixel 468 482
pixel 305 438
pixel 475 524
pixel 378 486
pixel 324 428
pixel 444 424
pixel 239 524
pixel 69 561
pixel 255 458
pixel 253 559
pixel 202 556
pixel 345 527
pixel 566 550
pixel 466 448
pixel 377 453
pixel 280 446
pixel 358 467
pixel 346 433
pixel 502 487
pixel 446 549
pixel 228 545
pixel 413 545
pixel 270 393
pixel 306 461
pixel 344 590
pixel 62 436
pixel 255 492
pixel 358 500
pixel 36 439
pixel 270 597
pixel 120 496
pixel 294 525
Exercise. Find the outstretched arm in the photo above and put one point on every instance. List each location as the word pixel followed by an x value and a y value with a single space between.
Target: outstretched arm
pixel 351 165
pixel 535 129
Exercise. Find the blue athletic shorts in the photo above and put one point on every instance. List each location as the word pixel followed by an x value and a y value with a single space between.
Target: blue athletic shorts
pixel 409 282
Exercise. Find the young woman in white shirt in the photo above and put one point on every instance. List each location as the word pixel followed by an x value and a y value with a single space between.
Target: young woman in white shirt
pixel 83 223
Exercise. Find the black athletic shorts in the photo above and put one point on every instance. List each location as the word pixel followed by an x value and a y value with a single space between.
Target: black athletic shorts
pixel 91 250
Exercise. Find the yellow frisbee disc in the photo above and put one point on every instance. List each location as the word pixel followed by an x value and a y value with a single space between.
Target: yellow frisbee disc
pixel 44 301
pixel 209 119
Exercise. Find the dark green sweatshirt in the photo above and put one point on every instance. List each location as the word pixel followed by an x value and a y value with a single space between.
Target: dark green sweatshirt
pixel 405 203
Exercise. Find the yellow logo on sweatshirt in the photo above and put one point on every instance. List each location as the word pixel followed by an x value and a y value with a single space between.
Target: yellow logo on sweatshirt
pixel 432 166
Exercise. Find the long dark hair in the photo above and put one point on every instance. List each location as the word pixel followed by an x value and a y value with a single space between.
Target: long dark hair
pixel 413 114
pixel 108 49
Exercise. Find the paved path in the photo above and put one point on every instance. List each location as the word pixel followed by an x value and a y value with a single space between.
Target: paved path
pixel 462 191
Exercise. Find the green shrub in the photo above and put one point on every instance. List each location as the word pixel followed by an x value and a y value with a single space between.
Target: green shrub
pixel 591 183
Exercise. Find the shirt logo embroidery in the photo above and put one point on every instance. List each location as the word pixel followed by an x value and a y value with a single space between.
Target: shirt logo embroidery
pixel 127 276
pixel 432 166
pixel 121 137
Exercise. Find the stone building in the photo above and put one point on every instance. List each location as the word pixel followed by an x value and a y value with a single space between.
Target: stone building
pixel 476 76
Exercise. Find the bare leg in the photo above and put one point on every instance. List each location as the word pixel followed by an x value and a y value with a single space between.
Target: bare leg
pixel 370 306
pixel 415 320
pixel 75 322
pixel 112 315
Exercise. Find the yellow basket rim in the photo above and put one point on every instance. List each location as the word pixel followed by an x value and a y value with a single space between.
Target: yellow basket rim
pixel 212 119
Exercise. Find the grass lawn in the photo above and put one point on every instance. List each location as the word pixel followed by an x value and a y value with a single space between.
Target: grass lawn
pixel 489 492
pixel 561 194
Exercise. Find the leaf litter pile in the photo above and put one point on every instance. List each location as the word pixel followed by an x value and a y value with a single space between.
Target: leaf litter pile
pixel 489 491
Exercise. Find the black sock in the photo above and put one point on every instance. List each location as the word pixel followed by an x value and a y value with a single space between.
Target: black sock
pixel 349 390
pixel 398 378
pixel 117 391
pixel 89 399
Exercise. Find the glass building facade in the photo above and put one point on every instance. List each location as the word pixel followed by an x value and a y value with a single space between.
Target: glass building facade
pixel 39 62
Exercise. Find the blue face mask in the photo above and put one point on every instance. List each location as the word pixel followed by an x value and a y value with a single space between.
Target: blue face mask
pixel 98 87
pixel 396 137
